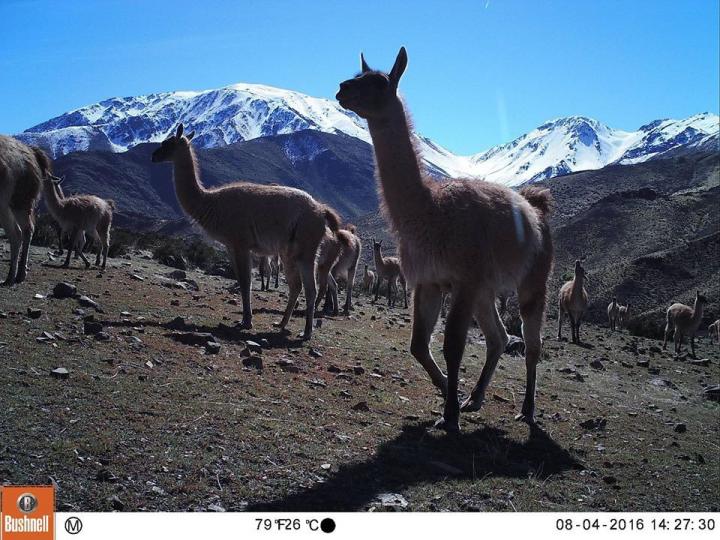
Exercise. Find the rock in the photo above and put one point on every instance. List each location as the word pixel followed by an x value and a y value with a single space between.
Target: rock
pixel 712 393
pixel 116 503
pixel 314 353
pixel 358 370
pixel 85 301
pixel 178 275
pixel 392 500
pixel 178 323
pixel 332 368
pixel 705 362
pixel 193 338
pixel 60 373
pixel 594 424
pixel 287 365
pixel 64 290
pixel 216 508
pixel 597 364
pixel 104 475
pixel 643 363
pixel 34 313
pixel 253 347
pixel 45 336
pixel 610 480
pixel 137 277
pixel 680 428
pixel 174 302
pixel 212 347
pixel 3 315
pixel 361 406
pixel 265 343
pixel 102 336
pixel 254 362
pixel 91 327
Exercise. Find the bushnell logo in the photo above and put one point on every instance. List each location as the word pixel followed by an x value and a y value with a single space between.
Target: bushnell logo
pixel 27 503
pixel 27 512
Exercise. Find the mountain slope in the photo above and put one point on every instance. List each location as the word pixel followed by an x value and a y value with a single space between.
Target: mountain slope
pixel 242 112
pixel 336 169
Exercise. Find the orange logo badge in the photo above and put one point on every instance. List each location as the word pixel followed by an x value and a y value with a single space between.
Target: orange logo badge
pixel 27 512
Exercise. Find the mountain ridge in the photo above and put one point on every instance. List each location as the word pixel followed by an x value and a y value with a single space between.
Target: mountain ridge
pixel 243 111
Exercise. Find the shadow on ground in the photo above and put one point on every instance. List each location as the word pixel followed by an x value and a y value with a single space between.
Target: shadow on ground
pixel 417 456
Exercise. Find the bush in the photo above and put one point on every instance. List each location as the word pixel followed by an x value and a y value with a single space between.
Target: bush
pixel 45 231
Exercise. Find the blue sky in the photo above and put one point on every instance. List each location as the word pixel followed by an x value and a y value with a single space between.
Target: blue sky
pixel 480 72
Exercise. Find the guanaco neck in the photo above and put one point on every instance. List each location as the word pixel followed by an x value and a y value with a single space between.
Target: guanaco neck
pixel 54 204
pixel 399 172
pixel 193 197
pixel 697 311
pixel 379 261
pixel 578 285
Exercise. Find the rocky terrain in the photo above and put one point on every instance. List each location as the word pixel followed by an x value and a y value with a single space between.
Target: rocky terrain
pixel 133 390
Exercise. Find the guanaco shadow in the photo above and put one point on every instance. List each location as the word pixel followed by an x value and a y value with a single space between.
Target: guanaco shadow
pixel 276 339
pixel 417 456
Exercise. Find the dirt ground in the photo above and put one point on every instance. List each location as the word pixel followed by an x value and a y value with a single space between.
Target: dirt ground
pixel 143 421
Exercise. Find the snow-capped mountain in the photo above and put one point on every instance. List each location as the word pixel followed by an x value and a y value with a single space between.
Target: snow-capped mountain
pixel 578 143
pixel 247 111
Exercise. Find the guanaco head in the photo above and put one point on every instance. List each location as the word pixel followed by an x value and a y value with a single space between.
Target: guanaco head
pixel 377 245
pixel 700 299
pixel 370 92
pixel 166 152
pixel 579 271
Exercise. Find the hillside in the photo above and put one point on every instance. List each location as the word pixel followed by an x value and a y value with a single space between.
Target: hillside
pixel 144 422
pixel 336 169
pixel 626 219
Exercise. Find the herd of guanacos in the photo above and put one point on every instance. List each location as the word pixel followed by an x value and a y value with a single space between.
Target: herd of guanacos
pixel 460 241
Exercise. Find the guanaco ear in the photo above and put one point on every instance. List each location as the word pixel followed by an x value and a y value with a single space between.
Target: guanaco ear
pixel 363 64
pixel 190 135
pixel 179 131
pixel 399 68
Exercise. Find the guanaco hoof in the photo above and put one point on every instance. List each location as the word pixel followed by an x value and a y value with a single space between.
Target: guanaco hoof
pixel 449 427
pixel 471 404
pixel 527 418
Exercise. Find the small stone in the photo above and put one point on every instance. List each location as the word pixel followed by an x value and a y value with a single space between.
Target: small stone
pixel 91 327
pixel 34 313
pixel 216 508
pixel 358 370
pixel 712 393
pixel 178 275
pixel 314 353
pixel 178 323
pixel 643 363
pixel 597 364
pixel 212 347
pixel 64 290
pixel 594 423
pixel 86 301
pixel 361 406
pixel 253 346
pixel 254 362
pixel 60 373
pixel 116 503
pixel 705 362
pixel 287 365
pixel 102 336
pixel 332 368
pixel 610 480
pixel 193 338
pixel 680 428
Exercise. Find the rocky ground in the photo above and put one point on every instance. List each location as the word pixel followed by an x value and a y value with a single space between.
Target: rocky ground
pixel 121 400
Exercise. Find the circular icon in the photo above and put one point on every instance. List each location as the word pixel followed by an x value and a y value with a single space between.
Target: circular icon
pixel 327 525
pixel 73 525
pixel 27 503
